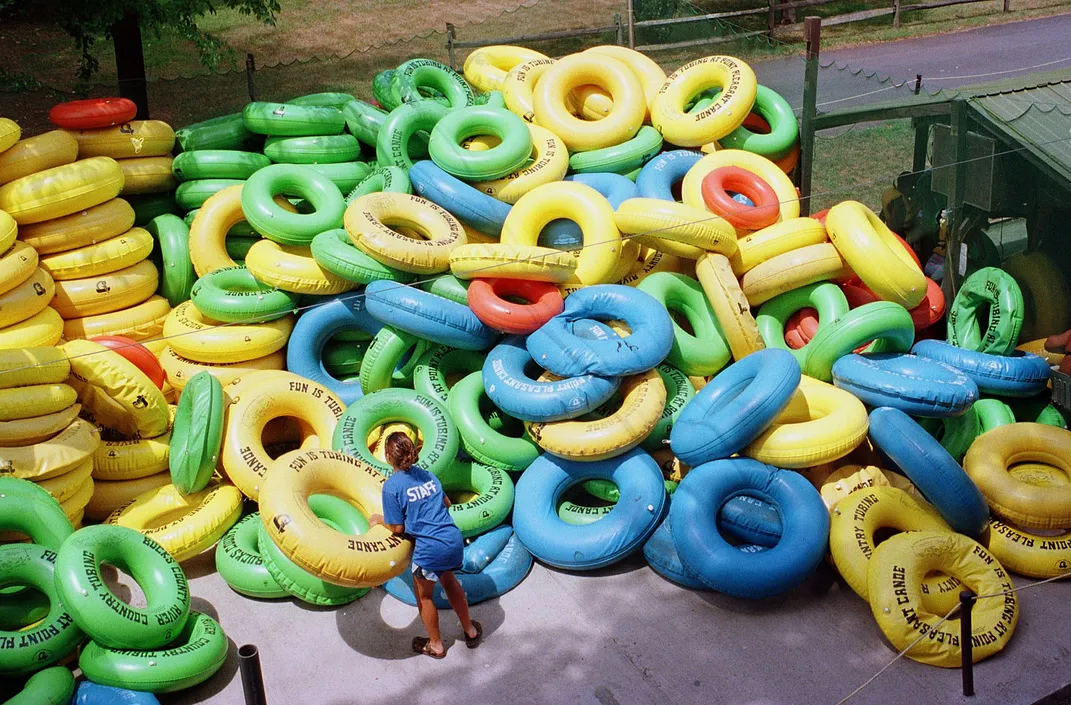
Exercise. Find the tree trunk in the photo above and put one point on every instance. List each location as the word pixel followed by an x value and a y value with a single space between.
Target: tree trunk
pixel 130 62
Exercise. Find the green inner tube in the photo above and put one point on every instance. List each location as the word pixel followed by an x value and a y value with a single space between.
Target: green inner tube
pixel 412 79
pixel 49 641
pixel 232 294
pixel 314 149
pixel 225 132
pixel 629 155
pixel 405 405
pixel 449 287
pixel 679 391
pixel 493 500
pixel 344 175
pixel 389 179
pixel 784 131
pixel 240 565
pixel 381 90
pixel 197 652
pixel 172 257
pixel 987 313
pixel 193 194
pixel 392 142
pixel 341 516
pixel 36 513
pixel 326 100
pixel 110 621
pixel 342 358
pixel 826 297
pixel 578 508
pixel 238 246
pixel 391 359
pixel 52 686
pixel 196 434
pixel 217 164
pixel 703 351
pixel 888 324
pixel 284 227
pixel 501 160
pixel 292 120
pixel 439 368
pixel 508 447
pixel 334 251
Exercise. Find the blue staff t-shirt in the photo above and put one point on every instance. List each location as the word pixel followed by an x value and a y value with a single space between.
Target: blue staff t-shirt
pixel 414 498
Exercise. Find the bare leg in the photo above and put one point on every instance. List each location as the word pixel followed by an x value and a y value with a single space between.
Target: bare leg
pixel 428 614
pixel 458 602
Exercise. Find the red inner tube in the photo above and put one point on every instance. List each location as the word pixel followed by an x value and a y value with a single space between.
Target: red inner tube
pixel 487 298
pixel 932 307
pixel 719 182
pixel 137 354
pixel 801 327
pixel 92 113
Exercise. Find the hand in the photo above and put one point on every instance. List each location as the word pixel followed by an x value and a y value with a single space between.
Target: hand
pixel 375 520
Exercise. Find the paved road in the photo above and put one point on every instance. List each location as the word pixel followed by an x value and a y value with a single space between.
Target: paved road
pixel 945 61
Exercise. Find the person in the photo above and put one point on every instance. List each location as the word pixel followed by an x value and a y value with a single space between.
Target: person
pixel 415 504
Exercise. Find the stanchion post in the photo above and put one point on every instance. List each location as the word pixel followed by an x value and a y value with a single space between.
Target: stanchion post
pixel 966 604
pixel 252 678
pixel 451 37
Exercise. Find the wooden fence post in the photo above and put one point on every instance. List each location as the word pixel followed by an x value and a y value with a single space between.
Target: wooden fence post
pixel 250 69
pixel 451 35
pixel 896 14
pixel 771 18
pixel 631 20
pixel 619 27
pixel 1007 6
pixel 812 32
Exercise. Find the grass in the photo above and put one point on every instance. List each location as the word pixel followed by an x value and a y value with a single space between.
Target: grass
pixel 860 164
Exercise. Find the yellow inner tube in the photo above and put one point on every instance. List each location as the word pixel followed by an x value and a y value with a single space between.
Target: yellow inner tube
pixel 141 322
pixel 675 228
pixel 342 559
pixel 292 268
pixel 894 584
pixel 42 329
pixel 777 239
pixel 62 453
pixel 995 452
pixel 256 400
pixel 106 293
pixel 486 67
pixel 62 190
pixel 27 299
pixel 606 433
pixel 495 260
pixel 137 138
pixel 731 307
pixel 820 424
pixel 550 161
pixel 792 270
pixel 184 524
pixel 17 263
pixel 738 84
pixel 179 370
pixel 67 485
pixel 109 496
pixel 92 260
pixel 37 429
pixel 36 400
pixel 97 224
pixel 34 154
pixel 201 339
pixel 369 221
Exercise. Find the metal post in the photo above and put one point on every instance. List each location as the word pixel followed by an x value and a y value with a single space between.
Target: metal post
pixel 966 604
pixel 922 142
pixel 918 83
pixel 451 35
pixel 250 69
pixel 956 193
pixel 896 14
pixel 812 32
pixel 252 678
pixel 630 18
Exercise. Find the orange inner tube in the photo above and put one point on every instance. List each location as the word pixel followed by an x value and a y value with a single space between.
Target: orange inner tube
pixel 716 186
pixel 487 298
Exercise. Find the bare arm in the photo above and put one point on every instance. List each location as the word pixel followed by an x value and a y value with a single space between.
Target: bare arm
pixel 377 520
pixel 446 501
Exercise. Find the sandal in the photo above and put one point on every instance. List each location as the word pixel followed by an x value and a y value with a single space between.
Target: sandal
pixel 422 645
pixel 473 642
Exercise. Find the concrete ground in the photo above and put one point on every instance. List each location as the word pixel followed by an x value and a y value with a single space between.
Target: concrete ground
pixel 617 636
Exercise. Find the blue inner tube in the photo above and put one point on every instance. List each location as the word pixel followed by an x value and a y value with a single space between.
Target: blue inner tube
pixel 428 316
pixel 915 385
pixel 1020 374
pixel 315 327
pixel 933 471
pixel 735 407
pixel 557 347
pixel 661 555
pixel 519 394
pixel 658 176
pixel 501 575
pixel 602 543
pixel 90 693
pixel 748 520
pixel 565 234
pixel 745 573
pixel 485 548
pixel 471 206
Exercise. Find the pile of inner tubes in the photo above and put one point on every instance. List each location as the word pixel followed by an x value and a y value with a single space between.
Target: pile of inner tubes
pixel 583 288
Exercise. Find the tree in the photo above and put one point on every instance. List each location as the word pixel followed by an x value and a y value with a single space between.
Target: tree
pixel 122 21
